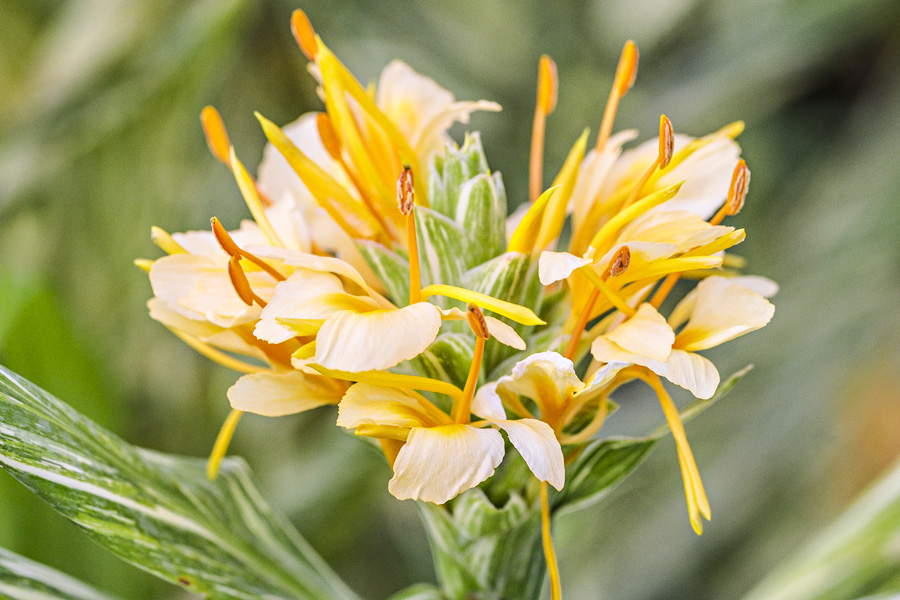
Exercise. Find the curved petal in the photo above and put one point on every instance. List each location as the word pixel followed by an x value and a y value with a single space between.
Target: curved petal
pixel 279 394
pixel 692 372
pixel 683 228
pixel 503 333
pixel 289 299
pixel 379 339
pixel 366 404
pixel 487 404
pixel 645 333
pixel 437 463
pixel 723 310
pixel 556 266
pixel 538 445
pixel 548 378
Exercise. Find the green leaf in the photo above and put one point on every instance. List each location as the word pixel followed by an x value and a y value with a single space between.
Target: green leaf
pixel 441 248
pixel 599 469
pixel 481 212
pixel 856 556
pixel 390 268
pixel 23 579
pixel 155 511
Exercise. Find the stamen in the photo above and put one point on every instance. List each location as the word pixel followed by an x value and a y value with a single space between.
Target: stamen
pixel 216 134
pixel 626 72
pixel 222 442
pixel 666 149
pixel 328 136
pixel 232 249
pixel 546 101
pixel 607 291
pixel 240 283
pixel 617 266
pixel 626 215
pixel 737 193
pixel 385 432
pixel 304 34
pixel 406 201
pixel 462 410
pixel 547 540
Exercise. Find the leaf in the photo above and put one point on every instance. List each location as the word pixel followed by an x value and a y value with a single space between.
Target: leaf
pixel 155 511
pixel 856 556
pixel 23 579
pixel 441 248
pixel 419 591
pixel 599 469
pixel 390 268
pixel 481 212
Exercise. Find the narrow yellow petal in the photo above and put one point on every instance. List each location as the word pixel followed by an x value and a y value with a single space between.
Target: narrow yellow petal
pixel 524 237
pixel 143 264
pixel 222 442
pixel 612 227
pixel 166 243
pixel 517 313
pixel 251 197
pixel 555 213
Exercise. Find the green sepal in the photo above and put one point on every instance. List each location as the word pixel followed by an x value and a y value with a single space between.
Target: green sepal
pixel 449 172
pixel 441 248
pixel 481 212
pixel 391 269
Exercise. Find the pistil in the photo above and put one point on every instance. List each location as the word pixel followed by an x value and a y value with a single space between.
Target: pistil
pixel 626 71
pixel 666 149
pixel 462 410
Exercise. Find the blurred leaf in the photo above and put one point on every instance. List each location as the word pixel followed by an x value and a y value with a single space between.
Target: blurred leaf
pixel 856 556
pixel 419 591
pixel 481 212
pixel 23 579
pixel 157 512
pixel 390 268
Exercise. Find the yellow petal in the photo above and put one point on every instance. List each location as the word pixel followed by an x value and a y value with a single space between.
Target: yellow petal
pixel 525 235
pixel 366 404
pixel 556 266
pixel 279 394
pixel 723 310
pixel 438 463
pixel 538 445
pixel 517 313
pixel 394 380
pixel 251 197
pixel 645 333
pixel 380 339
pixel 555 214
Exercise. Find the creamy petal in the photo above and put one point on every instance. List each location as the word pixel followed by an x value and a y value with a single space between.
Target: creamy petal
pixel 556 266
pixel 723 310
pixel 312 262
pixel 593 172
pixel 438 463
pixel 380 339
pixel 503 333
pixel 366 404
pixel 685 229
pixel 645 333
pixel 289 299
pixel 538 445
pixel 487 403
pixel 546 377
pixel 279 394
pixel 692 372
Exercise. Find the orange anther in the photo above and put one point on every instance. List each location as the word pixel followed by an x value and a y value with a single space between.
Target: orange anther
pixel 626 72
pixel 666 141
pixel 406 195
pixel 239 280
pixel 304 34
pixel 216 134
pixel 620 262
pixel 477 322
pixel 740 185
pixel 328 136
pixel 224 239
pixel 548 85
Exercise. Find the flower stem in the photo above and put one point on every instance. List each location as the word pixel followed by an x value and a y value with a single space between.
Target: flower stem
pixel 549 552
pixel 222 443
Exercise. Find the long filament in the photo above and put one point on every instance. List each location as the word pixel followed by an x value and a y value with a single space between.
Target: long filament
pixel 549 551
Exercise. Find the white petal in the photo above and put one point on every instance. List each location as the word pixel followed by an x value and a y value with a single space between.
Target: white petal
pixel 593 172
pixel 366 404
pixel 763 286
pixel 380 339
pixel 279 394
pixel 488 404
pixel 685 229
pixel 645 333
pixel 723 310
pixel 548 378
pixel 692 372
pixel 538 445
pixel 707 176
pixel 312 262
pixel 503 333
pixel 289 300
pixel 438 463
pixel 556 266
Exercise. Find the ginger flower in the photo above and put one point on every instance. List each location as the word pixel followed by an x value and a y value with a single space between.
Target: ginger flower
pixel 436 455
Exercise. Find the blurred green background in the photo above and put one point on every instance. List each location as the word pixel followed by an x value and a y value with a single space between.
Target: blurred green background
pixel 100 139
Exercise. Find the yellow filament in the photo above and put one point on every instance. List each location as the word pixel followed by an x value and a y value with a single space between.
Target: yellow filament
pixel 606 233
pixel 222 442
pixel 546 102
pixel 624 79
pixel 593 427
pixel 251 197
pixel 547 539
pixel 415 279
pixel 143 264
pixel 667 285
pixel 395 380
pixel 462 409
pixel 582 323
pixel 216 355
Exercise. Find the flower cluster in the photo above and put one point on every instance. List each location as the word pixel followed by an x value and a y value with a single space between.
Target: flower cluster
pixel 381 274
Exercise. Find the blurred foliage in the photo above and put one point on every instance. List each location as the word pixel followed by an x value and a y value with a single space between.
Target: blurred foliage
pixel 99 139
